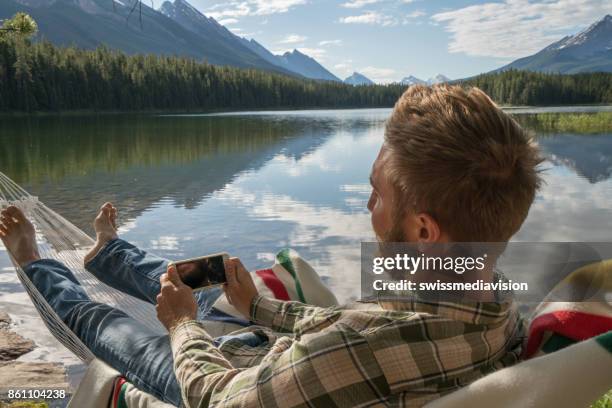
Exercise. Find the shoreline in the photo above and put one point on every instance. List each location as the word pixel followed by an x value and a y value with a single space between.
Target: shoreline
pixel 187 112
pixel 17 374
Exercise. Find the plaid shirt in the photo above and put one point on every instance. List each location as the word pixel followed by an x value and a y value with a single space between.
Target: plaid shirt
pixel 392 354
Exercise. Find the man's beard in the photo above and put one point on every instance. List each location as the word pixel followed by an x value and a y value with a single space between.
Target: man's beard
pixel 395 234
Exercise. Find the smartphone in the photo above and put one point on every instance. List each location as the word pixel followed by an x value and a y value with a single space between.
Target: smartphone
pixel 204 272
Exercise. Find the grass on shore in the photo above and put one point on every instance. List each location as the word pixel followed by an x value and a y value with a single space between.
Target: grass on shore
pixel 581 123
pixel 604 402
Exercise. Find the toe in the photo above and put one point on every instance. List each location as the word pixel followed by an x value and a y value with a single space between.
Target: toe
pixel 7 219
pixel 114 218
pixel 16 213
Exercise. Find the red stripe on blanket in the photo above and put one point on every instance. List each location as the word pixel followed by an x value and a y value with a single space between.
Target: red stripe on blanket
pixel 574 325
pixel 117 389
pixel 274 284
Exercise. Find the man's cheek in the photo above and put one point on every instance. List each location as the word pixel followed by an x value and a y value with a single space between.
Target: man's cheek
pixel 378 223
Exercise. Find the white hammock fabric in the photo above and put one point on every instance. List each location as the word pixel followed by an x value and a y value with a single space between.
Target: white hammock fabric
pixel 60 240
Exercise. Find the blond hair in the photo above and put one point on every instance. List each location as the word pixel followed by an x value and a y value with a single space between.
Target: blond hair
pixel 458 157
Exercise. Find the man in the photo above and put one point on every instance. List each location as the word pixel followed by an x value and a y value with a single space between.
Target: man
pixel 453 167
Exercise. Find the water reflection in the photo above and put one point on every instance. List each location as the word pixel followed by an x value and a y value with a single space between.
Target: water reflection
pixel 251 184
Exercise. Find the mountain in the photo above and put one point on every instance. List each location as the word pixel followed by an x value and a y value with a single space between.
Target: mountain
pixel 176 29
pixel 294 61
pixel 412 80
pixel 307 66
pixel 438 79
pixel 189 17
pixel 91 23
pixel 358 79
pixel 588 51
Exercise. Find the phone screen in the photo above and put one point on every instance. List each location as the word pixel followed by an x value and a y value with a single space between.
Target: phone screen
pixel 202 272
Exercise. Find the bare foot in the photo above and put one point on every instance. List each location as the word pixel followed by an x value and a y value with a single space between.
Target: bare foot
pixel 18 236
pixel 105 226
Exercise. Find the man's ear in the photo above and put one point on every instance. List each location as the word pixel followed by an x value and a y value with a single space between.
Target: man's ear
pixel 425 228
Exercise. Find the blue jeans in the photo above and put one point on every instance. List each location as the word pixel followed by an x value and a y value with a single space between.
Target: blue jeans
pixel 142 355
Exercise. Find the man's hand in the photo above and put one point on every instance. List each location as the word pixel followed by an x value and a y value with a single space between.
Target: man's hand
pixel 239 289
pixel 175 302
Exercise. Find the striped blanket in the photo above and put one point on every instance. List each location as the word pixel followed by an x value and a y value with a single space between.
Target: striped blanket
pixel 577 309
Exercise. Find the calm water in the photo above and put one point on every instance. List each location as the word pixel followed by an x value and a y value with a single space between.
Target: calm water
pixel 254 183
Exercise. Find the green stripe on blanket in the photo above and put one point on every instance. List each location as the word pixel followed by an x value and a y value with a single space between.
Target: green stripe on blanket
pixel 557 342
pixel 284 259
pixel 121 400
pixel 605 341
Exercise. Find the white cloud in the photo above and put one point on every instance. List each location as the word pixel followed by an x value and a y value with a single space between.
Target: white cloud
pixel 344 68
pixel 330 42
pixel 379 75
pixel 370 17
pixel 358 3
pixel 416 14
pixel 242 8
pixel 228 21
pixel 516 28
pixel 265 7
pixel 293 39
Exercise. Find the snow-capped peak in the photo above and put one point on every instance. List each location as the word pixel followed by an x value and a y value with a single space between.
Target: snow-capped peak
pixel 438 79
pixel 412 80
pixel 592 32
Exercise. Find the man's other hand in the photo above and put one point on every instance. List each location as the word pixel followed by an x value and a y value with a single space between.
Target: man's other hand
pixel 239 289
pixel 175 302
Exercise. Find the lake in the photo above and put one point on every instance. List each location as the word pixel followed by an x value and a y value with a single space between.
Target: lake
pixel 256 182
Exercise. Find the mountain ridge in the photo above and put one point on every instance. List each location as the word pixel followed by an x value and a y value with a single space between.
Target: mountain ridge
pixel 437 79
pixel 176 29
pixel 357 79
pixel 589 50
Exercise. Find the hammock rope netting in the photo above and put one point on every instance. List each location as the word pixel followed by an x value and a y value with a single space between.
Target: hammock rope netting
pixel 60 240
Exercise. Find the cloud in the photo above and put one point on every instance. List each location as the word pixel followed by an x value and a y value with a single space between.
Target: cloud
pixel 265 7
pixel 243 8
pixel 330 42
pixel 516 28
pixel 358 3
pixel 293 39
pixel 228 21
pixel 379 75
pixel 370 17
pixel 344 68
pixel 416 14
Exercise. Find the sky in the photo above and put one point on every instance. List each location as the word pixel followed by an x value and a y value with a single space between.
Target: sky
pixel 387 40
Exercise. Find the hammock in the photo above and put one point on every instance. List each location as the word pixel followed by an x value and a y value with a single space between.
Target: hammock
pixel 60 240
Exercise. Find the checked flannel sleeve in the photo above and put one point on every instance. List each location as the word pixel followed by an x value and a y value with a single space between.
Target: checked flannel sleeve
pixel 290 316
pixel 332 369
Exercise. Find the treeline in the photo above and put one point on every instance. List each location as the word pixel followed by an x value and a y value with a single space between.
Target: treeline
pixel 38 76
pixel 535 88
pixel 42 77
